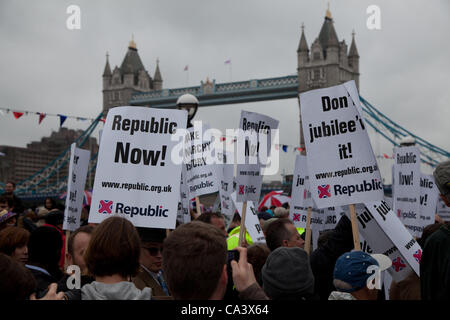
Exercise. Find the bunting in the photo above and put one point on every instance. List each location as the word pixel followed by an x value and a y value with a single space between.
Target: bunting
pixel 17 115
pixel 41 117
pixel 62 118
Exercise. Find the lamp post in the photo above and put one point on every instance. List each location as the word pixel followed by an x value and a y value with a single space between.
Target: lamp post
pixel 190 103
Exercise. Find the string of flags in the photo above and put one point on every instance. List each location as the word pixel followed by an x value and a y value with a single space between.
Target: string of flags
pixel 17 114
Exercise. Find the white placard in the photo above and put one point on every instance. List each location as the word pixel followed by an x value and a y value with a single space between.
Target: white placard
pixel 300 195
pixel 225 175
pixel 251 222
pixel 407 187
pixel 137 177
pixel 78 168
pixel 378 241
pixel 199 161
pixel 184 215
pixel 254 147
pixel 429 195
pixel 341 165
pixel 397 233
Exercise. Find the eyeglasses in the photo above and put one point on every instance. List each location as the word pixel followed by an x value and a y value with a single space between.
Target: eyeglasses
pixel 153 250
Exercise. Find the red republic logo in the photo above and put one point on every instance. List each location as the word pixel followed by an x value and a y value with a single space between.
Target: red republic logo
pixel 324 191
pixel 105 206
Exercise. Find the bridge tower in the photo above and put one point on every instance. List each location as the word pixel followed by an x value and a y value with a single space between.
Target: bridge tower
pixel 327 63
pixel 131 77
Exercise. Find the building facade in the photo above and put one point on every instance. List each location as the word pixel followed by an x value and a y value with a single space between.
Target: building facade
pixel 19 164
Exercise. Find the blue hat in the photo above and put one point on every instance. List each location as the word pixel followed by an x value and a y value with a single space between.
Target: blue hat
pixel 351 268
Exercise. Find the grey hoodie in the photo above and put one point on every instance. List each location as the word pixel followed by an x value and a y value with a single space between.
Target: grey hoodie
pixel 118 291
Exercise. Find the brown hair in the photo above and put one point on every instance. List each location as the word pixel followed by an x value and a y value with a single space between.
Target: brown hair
pixel 86 229
pixel 193 260
pixel 12 238
pixel 257 255
pixel 207 216
pixel 114 249
pixel 18 283
pixel 277 232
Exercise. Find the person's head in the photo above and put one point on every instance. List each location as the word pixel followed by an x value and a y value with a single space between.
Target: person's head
pixel 194 262
pixel 273 208
pixel 7 219
pixel 55 218
pixel 428 231
pixel 6 203
pixel 114 249
pixel 351 273
pixel 50 204
pixel 17 282
pixel 10 186
pixel 44 248
pixel 285 205
pixel 264 209
pixel 13 242
pixel 282 233
pixel 257 255
pixel 442 178
pixel 151 248
pixel 214 218
pixel 287 274
pixel 77 246
pixel 281 212
pixel 323 238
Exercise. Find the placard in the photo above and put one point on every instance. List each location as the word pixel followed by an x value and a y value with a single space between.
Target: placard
pixel 341 165
pixel 136 177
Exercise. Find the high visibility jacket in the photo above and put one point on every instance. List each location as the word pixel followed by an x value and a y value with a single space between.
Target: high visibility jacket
pixel 233 238
pixel 301 230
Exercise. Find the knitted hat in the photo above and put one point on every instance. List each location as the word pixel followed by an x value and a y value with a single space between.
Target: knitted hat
pixel 5 215
pixel 287 274
pixel 442 178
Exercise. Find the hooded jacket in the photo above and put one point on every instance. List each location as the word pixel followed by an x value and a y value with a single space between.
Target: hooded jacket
pixel 123 290
pixel 324 258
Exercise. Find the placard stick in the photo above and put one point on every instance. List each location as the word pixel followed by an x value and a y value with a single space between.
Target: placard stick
pixel 356 243
pixel 242 228
pixel 197 204
pixel 308 231
pixel 66 248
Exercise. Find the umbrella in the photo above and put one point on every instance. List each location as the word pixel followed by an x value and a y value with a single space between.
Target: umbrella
pixel 274 198
pixel 86 197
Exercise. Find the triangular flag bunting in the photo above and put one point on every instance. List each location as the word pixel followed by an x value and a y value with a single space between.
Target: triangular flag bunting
pixel 41 117
pixel 285 147
pixel 17 115
pixel 62 118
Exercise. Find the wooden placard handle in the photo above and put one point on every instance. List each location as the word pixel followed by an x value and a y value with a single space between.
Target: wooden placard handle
pixel 242 228
pixel 356 244
pixel 308 231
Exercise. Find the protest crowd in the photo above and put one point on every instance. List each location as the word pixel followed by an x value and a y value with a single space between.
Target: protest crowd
pixel 151 242
pixel 120 261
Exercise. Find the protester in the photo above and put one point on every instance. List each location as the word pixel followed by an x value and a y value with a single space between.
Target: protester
pixel 44 250
pixel 281 212
pixel 17 205
pixel 235 222
pixel 55 219
pixel 7 219
pixel 17 282
pixel 5 203
pixel 351 275
pixel 435 261
pixel 323 259
pixel 151 273
pixel 28 220
pixel 287 275
pixel 199 250
pixel 49 204
pixel 214 218
pixel 257 255
pixel 282 233
pixel 263 217
pixel 14 243
pixel 112 257
pixel 76 247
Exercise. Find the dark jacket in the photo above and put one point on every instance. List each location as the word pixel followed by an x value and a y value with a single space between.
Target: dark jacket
pixel 435 266
pixel 324 258
pixel 43 280
pixel 144 279
pixel 253 292
pixel 73 294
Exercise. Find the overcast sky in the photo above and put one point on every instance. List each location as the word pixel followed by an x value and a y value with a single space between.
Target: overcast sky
pixel 44 67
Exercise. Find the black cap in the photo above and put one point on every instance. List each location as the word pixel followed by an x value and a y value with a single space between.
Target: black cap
pixel 54 218
pixel 151 234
